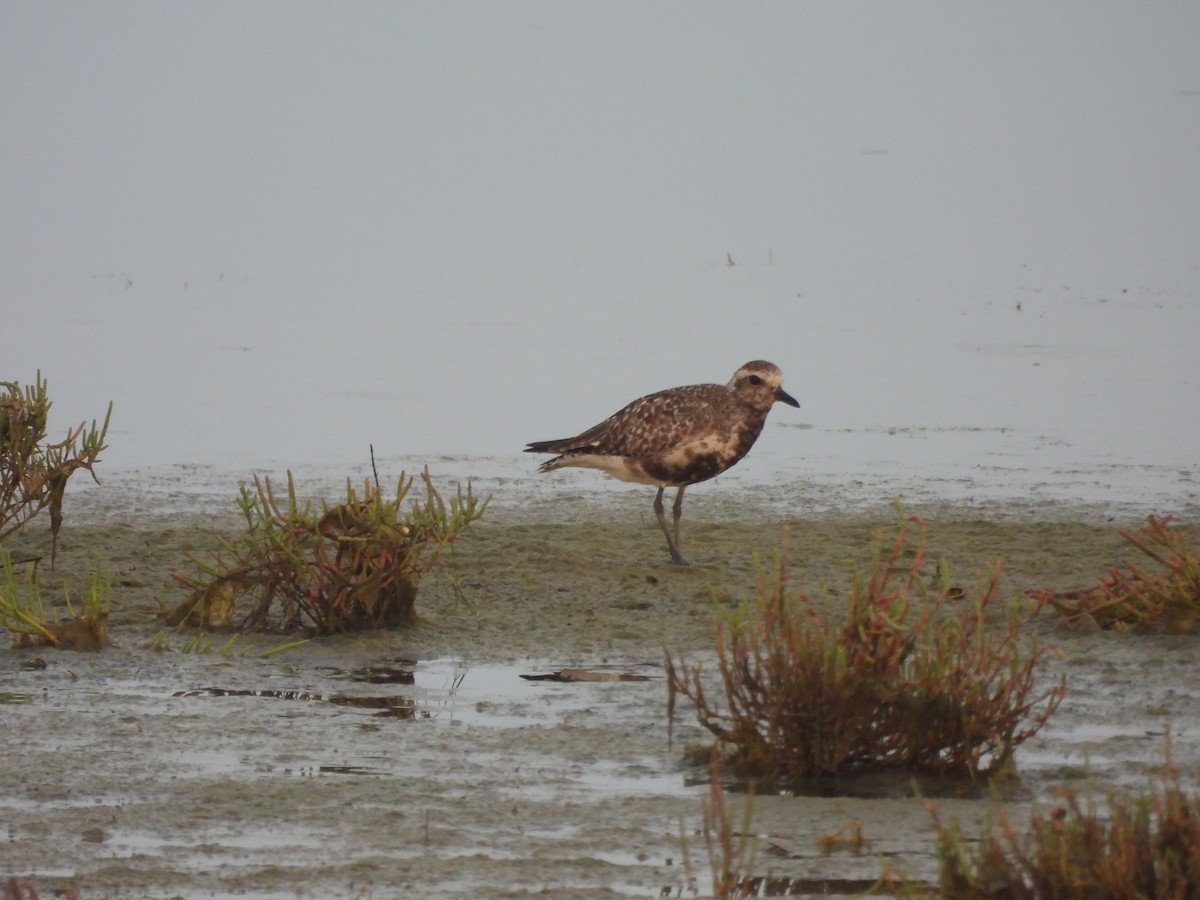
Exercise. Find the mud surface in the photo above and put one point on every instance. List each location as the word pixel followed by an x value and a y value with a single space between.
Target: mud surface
pixel 421 763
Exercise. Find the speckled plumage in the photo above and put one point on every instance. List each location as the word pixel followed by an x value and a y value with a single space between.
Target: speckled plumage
pixel 676 437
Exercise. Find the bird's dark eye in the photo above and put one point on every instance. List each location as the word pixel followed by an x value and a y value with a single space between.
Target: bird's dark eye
pixel 754 379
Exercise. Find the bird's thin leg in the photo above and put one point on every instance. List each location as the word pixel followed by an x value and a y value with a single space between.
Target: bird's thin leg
pixel 662 520
pixel 677 513
pixel 672 541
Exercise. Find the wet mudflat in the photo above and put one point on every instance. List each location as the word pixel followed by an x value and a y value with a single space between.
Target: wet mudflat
pixel 422 763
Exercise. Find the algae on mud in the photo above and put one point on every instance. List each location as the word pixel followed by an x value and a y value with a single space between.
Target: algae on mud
pixel 497 786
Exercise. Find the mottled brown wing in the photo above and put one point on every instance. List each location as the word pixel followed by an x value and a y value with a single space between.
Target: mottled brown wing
pixel 656 422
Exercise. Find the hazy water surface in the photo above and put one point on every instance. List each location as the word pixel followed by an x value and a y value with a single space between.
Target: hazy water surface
pixel 968 234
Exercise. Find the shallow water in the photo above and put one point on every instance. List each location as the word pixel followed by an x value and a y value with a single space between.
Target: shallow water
pixel 150 782
pixel 982 270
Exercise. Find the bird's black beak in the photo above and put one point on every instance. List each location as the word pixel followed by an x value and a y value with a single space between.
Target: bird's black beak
pixel 783 396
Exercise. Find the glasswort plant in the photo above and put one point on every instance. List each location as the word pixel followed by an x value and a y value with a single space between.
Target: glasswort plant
pixel 901 682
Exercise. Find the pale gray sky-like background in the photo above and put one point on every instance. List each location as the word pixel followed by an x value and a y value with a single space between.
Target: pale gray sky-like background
pixel 274 233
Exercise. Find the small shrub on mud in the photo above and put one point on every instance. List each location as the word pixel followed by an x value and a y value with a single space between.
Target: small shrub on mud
pixel 902 682
pixel 347 567
pixel 1145 845
pixel 1130 597
pixel 24 615
pixel 33 473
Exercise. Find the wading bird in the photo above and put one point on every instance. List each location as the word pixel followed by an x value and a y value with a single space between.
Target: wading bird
pixel 677 437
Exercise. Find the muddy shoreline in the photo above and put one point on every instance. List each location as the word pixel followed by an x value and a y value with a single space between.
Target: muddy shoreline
pixel 146 771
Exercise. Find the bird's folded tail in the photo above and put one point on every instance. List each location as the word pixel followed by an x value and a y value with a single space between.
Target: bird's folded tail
pixel 565 447
pixel 556 446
